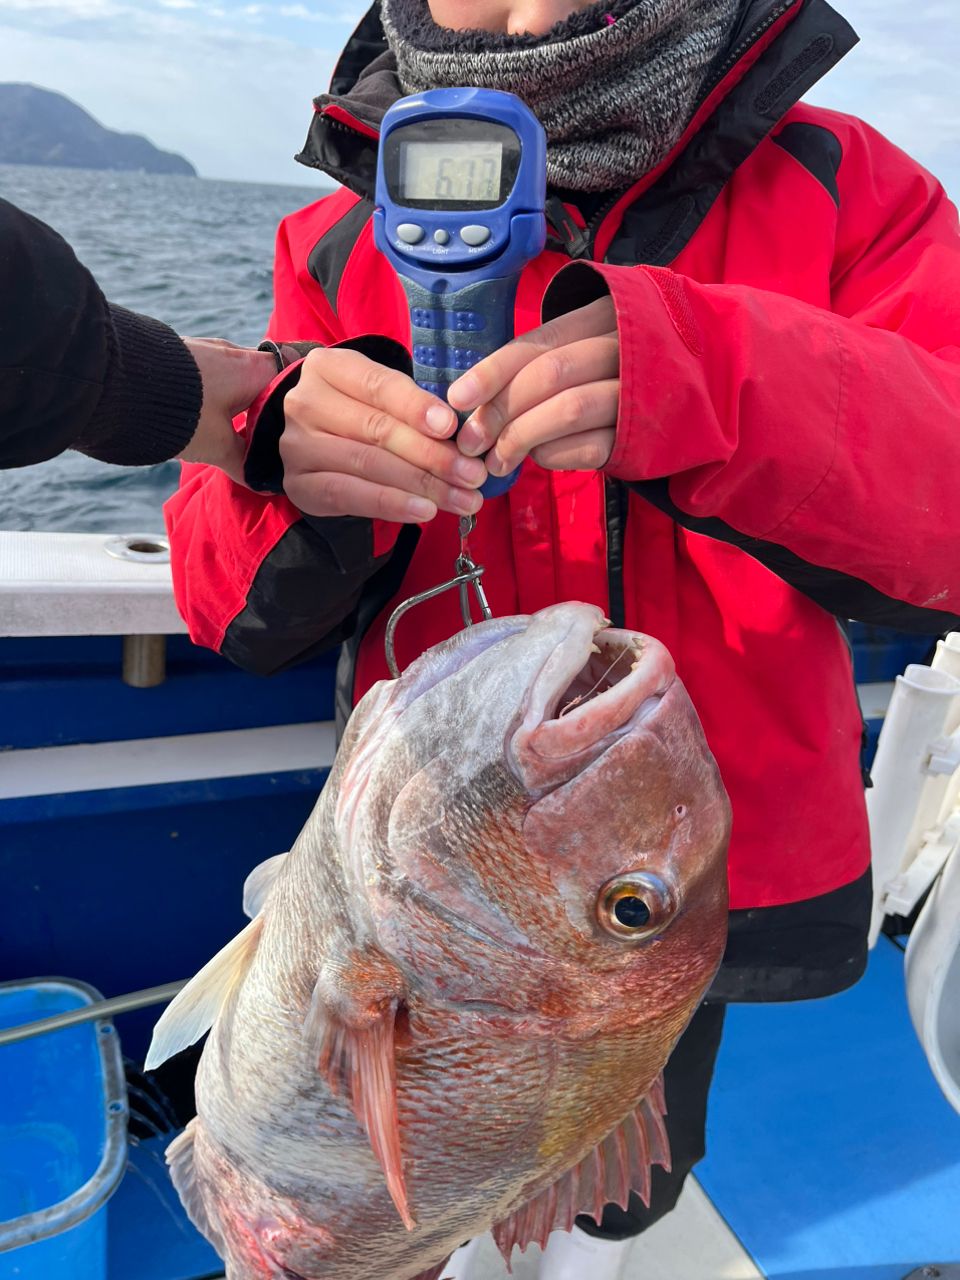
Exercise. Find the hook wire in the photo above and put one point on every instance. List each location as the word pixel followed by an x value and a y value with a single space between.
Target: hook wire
pixel 468 575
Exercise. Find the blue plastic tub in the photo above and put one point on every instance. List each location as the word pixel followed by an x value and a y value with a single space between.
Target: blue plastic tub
pixel 63 1118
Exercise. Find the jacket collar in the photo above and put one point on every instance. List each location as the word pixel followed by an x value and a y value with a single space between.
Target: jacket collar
pixel 778 50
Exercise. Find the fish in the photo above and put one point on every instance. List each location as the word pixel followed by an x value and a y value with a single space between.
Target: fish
pixel 453 1003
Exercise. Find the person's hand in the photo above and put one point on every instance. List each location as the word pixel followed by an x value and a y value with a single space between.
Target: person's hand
pixel 364 440
pixel 553 393
pixel 232 377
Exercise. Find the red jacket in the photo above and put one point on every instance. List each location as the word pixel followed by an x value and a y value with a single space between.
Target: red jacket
pixel 786 453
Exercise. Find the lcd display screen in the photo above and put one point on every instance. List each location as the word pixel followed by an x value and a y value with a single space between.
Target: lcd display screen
pixel 451 172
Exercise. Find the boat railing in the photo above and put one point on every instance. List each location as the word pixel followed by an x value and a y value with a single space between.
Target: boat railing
pixel 91 584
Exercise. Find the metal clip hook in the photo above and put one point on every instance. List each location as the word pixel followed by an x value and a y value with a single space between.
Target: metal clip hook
pixel 468 575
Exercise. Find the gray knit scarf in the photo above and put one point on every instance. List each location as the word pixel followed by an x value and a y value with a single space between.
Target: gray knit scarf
pixel 614 85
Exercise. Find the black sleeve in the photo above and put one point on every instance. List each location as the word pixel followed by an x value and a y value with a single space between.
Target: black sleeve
pixel 839 593
pixel 263 466
pixel 76 372
pixel 321 585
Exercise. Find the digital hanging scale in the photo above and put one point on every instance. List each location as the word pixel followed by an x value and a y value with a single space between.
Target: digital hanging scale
pixel 461 188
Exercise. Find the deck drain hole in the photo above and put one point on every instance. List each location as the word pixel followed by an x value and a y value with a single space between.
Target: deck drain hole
pixel 142 548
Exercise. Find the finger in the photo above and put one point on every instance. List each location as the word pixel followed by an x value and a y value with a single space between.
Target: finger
pixel 585 451
pixel 488 378
pixel 330 494
pixel 290 353
pixel 336 414
pixel 385 389
pixel 582 409
pixel 574 365
pixel 320 475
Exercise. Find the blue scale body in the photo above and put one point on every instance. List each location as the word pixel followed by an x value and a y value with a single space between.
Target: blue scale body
pixel 459 254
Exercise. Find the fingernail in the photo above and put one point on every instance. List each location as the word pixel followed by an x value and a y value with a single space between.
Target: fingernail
pixel 467 503
pixel 496 466
pixel 421 509
pixel 440 418
pixel 470 440
pixel 466 390
pixel 470 471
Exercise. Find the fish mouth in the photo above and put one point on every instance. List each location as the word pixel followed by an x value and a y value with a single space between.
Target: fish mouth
pixel 596 686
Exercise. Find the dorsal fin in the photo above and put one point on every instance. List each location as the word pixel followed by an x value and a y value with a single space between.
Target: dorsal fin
pixel 606 1175
pixel 194 1011
pixel 259 883
pixel 351 1026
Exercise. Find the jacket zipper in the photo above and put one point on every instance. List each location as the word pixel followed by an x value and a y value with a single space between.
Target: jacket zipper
pixel 598 219
pixel 617 505
pixel 746 44
pixel 333 122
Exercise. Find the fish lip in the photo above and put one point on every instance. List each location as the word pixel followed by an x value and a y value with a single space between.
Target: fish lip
pixel 549 735
pixel 650 675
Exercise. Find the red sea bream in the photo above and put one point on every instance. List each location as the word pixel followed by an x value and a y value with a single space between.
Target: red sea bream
pixel 453 1004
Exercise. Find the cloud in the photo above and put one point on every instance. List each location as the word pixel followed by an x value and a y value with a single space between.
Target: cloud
pixel 41 14
pixel 211 81
pixel 66 8
pixel 343 15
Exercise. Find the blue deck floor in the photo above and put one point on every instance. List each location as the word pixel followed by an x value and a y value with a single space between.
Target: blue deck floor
pixel 832 1153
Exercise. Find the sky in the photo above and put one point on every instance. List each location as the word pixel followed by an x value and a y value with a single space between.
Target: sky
pixel 229 84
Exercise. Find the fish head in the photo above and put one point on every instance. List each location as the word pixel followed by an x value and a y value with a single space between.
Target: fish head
pixel 539 825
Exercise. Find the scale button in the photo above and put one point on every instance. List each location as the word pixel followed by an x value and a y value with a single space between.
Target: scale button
pixel 441 236
pixel 410 233
pixel 475 235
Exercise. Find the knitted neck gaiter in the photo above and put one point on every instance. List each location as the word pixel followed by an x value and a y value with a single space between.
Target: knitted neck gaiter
pixel 614 85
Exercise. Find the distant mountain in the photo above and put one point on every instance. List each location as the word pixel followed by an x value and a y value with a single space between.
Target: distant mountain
pixel 40 127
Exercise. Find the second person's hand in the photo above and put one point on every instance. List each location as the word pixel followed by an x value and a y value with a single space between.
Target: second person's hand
pixel 232 378
pixel 364 440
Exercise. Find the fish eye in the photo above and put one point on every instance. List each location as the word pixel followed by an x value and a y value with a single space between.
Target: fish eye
pixel 636 906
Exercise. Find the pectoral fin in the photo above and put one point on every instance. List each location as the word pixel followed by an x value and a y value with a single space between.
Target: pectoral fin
pixel 615 1167
pixel 194 1011
pixel 259 883
pixel 351 1027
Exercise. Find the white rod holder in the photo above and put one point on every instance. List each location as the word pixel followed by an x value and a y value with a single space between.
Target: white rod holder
pixel 906 799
